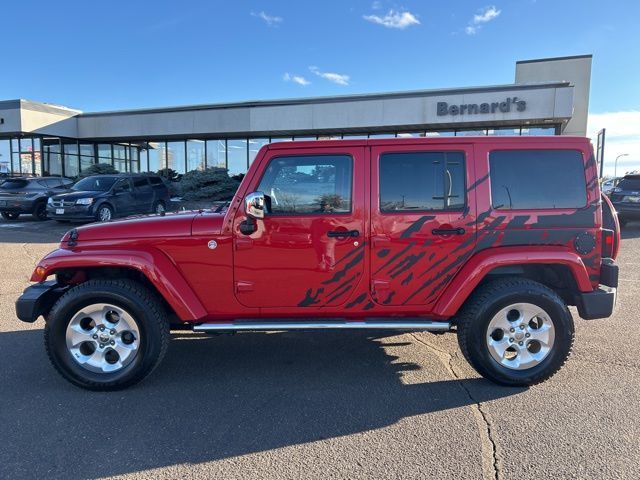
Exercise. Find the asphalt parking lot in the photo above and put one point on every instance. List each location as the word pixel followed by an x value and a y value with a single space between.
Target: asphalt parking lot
pixel 319 405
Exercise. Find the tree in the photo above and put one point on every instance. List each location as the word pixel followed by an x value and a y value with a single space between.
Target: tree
pixel 98 169
pixel 212 184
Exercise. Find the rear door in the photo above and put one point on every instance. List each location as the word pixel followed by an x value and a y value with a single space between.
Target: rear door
pixel 422 220
pixel 142 194
pixel 123 197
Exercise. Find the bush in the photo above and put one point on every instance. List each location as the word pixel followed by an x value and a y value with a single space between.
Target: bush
pixel 169 174
pixel 210 184
pixel 98 169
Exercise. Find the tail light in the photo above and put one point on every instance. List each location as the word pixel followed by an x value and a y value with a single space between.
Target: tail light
pixel 608 243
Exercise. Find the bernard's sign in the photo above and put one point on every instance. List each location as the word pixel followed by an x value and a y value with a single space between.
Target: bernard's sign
pixel 510 104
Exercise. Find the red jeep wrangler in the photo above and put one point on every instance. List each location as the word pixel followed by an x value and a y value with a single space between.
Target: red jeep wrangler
pixel 490 237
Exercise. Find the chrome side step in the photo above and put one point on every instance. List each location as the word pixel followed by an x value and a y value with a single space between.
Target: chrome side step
pixel 250 325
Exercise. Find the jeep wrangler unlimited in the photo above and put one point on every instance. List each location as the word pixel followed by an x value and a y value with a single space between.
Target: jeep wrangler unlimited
pixel 492 238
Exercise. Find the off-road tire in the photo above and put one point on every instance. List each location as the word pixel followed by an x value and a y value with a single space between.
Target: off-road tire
pixel 475 315
pixel 141 303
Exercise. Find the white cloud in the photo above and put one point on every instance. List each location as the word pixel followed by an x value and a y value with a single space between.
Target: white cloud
pixel 339 78
pixel 271 20
pixel 394 19
pixel 483 16
pixel 622 136
pixel 486 15
pixel 299 79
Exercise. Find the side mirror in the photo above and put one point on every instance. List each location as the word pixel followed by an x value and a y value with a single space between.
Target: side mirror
pixel 254 204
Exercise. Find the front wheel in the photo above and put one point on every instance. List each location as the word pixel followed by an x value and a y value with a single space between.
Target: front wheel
pixel 10 215
pixel 515 331
pixel 104 213
pixel 106 334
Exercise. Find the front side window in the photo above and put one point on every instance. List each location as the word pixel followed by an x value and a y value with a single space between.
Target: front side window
pixel 422 181
pixel 312 184
pixel 537 179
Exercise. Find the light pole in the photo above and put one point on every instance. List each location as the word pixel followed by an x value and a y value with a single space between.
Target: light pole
pixel 615 167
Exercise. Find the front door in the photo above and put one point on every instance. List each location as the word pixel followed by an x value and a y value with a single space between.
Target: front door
pixel 308 250
pixel 422 220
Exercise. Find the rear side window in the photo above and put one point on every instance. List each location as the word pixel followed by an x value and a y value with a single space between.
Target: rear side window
pixel 13 184
pixel 537 179
pixel 629 183
pixel 419 181
pixel 140 182
pixel 155 180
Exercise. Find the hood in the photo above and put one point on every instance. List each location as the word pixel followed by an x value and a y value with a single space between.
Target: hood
pixel 152 226
pixel 75 195
pixel 178 224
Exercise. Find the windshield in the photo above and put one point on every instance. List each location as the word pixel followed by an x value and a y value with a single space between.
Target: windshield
pixel 632 183
pixel 95 184
pixel 13 184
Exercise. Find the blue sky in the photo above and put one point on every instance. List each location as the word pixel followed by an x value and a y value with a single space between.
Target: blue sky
pixel 106 55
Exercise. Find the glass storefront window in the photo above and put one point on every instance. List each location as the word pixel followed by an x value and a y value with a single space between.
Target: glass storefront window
pixel 104 152
pixel 410 134
pixel 504 132
pixel 5 157
pixel 176 156
pixel 237 156
pixel 70 148
pixel 143 165
pixel 538 131
pixel 85 162
pixel 70 165
pixel 281 139
pixel 87 149
pixel 441 133
pixel 382 135
pixel 255 144
pixel 471 133
pixel 216 153
pixel 195 155
pixel 156 156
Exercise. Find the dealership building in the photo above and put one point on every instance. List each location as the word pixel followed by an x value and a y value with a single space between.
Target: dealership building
pixel 548 97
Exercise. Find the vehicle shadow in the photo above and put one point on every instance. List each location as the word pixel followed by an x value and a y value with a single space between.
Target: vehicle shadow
pixel 26 229
pixel 213 398
pixel 631 230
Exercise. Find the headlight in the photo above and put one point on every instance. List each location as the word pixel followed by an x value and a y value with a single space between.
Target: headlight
pixel 84 201
pixel 50 201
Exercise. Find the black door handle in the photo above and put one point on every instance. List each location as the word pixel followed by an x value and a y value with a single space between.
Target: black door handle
pixel 448 231
pixel 343 233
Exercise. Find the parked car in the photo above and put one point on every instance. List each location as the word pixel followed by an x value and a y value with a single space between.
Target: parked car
pixel 626 198
pixel 28 195
pixel 608 185
pixel 464 234
pixel 104 197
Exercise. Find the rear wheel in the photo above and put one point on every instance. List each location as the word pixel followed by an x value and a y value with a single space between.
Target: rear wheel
pixel 40 211
pixel 106 334
pixel 10 215
pixel 515 332
pixel 159 208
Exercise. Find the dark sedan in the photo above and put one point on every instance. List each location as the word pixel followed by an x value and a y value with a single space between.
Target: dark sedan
pixel 103 197
pixel 626 198
pixel 22 195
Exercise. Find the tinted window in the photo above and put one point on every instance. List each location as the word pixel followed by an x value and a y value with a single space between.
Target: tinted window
pixel 155 180
pixel 630 183
pixel 523 179
pixel 309 184
pixel 13 184
pixel 95 184
pixel 140 182
pixel 53 182
pixel 422 181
